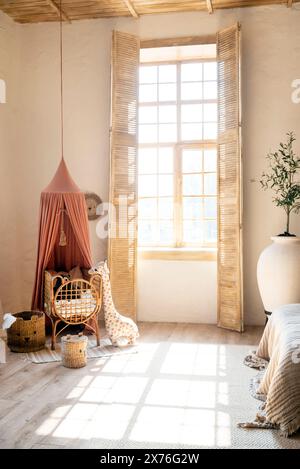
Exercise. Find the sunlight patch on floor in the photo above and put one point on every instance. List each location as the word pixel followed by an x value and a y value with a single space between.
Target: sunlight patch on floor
pixel 223 396
pixel 109 422
pixel 184 393
pixel 138 363
pixel 191 359
pixel 123 389
pixel 178 399
pixel 185 426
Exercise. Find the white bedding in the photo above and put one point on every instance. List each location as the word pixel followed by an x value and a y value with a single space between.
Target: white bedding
pixel 85 305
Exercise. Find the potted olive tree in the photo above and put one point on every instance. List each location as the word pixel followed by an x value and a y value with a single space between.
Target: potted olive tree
pixel 278 269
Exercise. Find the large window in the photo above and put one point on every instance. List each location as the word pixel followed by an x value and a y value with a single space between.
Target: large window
pixel 177 154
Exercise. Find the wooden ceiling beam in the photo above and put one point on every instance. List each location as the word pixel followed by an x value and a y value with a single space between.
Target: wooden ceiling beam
pixel 131 8
pixel 33 11
pixel 55 7
pixel 209 6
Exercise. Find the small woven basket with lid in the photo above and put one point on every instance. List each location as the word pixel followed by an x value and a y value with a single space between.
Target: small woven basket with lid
pixel 27 333
pixel 74 351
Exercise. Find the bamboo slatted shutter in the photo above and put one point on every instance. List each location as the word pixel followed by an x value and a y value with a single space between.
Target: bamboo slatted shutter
pixel 230 278
pixel 123 180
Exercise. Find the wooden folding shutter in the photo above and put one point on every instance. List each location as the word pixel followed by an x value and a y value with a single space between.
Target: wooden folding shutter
pixel 230 278
pixel 122 251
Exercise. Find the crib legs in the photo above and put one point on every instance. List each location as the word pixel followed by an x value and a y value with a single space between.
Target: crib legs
pixel 53 335
pixel 95 328
pixel 97 331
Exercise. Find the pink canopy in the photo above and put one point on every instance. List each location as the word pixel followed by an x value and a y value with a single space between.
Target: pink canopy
pixel 63 215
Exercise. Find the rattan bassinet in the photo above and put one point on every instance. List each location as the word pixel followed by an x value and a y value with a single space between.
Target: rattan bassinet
pixel 73 302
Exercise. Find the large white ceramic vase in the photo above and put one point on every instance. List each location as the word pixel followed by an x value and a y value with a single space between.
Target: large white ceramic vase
pixel 278 272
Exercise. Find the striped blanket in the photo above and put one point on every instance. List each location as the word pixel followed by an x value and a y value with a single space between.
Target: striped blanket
pixel 280 344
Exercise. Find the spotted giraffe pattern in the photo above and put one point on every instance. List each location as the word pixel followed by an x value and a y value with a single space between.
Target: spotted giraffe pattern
pixel 120 329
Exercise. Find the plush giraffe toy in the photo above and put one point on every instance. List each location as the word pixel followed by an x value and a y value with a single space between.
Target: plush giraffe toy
pixel 121 330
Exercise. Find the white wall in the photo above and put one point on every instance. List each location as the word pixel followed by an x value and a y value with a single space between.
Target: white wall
pixel 178 291
pixel 271 60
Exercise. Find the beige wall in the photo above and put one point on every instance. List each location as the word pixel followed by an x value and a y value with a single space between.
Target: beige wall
pixel 271 60
pixel 87 105
pixel 9 185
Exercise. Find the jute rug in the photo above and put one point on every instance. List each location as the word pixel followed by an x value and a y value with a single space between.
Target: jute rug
pixel 93 351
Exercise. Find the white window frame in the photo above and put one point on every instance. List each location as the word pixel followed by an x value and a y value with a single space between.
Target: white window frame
pixel 178 147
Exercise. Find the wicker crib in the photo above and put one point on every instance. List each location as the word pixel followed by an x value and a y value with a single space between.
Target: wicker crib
pixel 72 301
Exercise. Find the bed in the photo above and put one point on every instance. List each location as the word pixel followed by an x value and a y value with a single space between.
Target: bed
pixel 280 383
pixel 72 301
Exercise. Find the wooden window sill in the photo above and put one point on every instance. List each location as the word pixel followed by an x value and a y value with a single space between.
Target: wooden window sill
pixel 178 254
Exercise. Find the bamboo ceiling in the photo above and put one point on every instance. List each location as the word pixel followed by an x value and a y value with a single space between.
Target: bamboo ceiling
pixel 34 11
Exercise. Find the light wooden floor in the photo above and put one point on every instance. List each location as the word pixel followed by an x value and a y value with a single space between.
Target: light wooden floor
pixel 34 398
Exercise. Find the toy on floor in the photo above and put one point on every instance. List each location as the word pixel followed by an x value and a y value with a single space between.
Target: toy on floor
pixel 120 329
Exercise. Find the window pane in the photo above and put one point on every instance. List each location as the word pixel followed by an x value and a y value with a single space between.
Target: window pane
pixel 210 71
pixel 210 90
pixel 148 93
pixel 191 113
pixel 166 235
pixel 210 231
pixel 147 232
pixel 192 232
pixel 191 91
pixel 191 161
pixel 147 114
pixel 158 127
pixel 167 73
pixel 210 207
pixel 210 160
pixel 192 207
pixel 165 208
pixel 191 72
pixel 167 114
pixel 210 112
pixel 167 133
pixel 210 184
pixel 167 92
pixel 147 161
pixel 191 131
pixel 165 185
pixel 147 133
pixel 210 131
pixel 165 160
pixel 148 208
pixel 148 74
pixel 192 184
pixel 147 186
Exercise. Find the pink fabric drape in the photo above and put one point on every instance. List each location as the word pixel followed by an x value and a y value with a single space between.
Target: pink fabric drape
pixel 61 194
pixel 62 258
pixel 77 212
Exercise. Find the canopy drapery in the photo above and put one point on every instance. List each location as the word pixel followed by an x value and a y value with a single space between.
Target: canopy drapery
pixel 62 207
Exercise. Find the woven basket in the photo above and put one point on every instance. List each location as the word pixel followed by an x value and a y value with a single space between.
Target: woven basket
pixel 27 333
pixel 73 351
